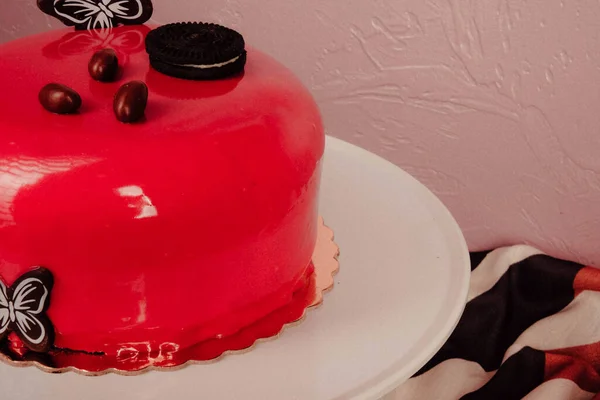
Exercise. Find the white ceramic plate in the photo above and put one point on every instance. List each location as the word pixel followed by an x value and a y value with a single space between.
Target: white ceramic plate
pixel 401 289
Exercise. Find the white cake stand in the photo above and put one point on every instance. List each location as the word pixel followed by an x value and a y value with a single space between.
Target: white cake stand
pixel 401 289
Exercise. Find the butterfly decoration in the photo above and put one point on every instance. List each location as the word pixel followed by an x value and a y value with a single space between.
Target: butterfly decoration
pixel 98 14
pixel 23 307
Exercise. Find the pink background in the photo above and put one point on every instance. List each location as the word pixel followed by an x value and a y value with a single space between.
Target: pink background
pixel 495 105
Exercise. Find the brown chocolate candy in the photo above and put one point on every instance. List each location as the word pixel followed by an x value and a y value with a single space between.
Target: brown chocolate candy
pixel 59 99
pixel 130 101
pixel 104 65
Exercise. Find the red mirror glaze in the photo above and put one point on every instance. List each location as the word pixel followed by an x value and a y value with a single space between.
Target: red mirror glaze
pixel 192 223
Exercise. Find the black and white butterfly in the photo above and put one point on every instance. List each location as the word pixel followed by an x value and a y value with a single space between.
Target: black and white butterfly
pixel 23 307
pixel 98 14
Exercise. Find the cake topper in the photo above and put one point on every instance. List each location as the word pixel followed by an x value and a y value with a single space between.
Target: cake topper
pixel 196 51
pixel 98 14
pixel 23 309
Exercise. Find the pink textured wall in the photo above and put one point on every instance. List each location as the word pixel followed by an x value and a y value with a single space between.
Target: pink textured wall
pixel 492 104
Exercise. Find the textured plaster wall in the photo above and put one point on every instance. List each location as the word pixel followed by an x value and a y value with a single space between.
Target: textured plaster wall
pixel 495 104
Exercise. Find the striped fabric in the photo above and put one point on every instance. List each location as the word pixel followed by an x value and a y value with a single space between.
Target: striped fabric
pixel 531 330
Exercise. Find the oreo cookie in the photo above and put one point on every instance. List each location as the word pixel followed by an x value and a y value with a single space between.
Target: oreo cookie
pixel 196 50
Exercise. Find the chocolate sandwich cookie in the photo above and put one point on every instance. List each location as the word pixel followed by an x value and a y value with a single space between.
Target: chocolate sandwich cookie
pixel 195 50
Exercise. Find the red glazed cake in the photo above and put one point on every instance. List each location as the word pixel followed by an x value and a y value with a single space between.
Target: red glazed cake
pixel 189 224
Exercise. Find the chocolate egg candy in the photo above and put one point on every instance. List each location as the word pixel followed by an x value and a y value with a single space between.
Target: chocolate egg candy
pixel 104 65
pixel 59 99
pixel 130 101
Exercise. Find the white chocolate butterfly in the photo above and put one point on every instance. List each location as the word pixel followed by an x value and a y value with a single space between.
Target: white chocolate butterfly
pixel 23 309
pixel 98 14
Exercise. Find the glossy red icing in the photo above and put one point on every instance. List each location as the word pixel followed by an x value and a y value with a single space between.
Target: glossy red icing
pixel 189 225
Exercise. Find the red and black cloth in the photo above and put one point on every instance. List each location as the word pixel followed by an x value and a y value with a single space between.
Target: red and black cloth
pixel 530 330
